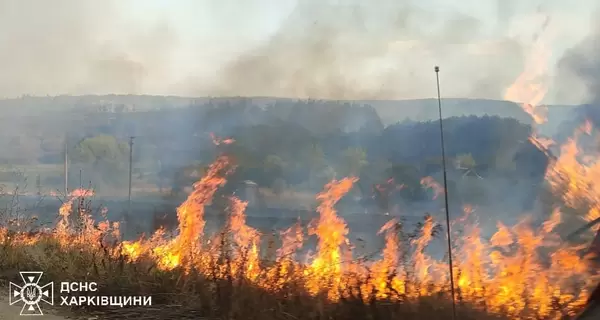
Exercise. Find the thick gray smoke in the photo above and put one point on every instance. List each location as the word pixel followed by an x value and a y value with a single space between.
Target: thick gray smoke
pixel 579 69
pixel 69 47
pixel 578 80
pixel 358 49
pixel 324 49
pixel 374 50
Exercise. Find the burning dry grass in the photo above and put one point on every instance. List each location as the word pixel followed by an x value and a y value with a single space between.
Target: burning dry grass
pixel 223 276
pixel 522 272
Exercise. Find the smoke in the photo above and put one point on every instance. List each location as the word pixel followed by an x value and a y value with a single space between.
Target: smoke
pixel 352 49
pixel 380 50
pixel 578 79
pixel 579 69
pixel 71 47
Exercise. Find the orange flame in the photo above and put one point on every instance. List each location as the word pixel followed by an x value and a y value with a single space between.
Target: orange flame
pixel 218 141
pixel 523 271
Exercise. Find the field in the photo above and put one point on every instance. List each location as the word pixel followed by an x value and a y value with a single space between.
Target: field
pixel 306 256
pixel 51 181
pixel 239 273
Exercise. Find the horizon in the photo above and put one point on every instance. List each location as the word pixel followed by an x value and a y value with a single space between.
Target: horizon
pixel 25 96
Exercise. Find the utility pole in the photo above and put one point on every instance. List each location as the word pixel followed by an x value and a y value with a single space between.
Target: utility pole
pixel 450 266
pixel 66 167
pixel 130 174
pixel 38 185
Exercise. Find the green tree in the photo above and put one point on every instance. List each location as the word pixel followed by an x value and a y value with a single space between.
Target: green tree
pixel 466 163
pixel 105 156
pixel 274 165
pixel 314 160
pixel 410 178
pixel 352 162
pixel 186 177
pixel 101 148
pixel 273 170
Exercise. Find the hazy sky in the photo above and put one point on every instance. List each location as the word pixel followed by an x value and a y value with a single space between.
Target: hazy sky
pixel 300 48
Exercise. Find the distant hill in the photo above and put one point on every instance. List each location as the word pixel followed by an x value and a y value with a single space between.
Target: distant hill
pixel 33 127
pixel 28 104
pixel 390 111
pixel 298 143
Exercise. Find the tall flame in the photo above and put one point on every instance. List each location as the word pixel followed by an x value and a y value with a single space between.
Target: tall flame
pixel 524 271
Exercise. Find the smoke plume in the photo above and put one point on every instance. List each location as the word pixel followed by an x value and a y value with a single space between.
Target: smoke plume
pixel 579 77
pixel 69 47
pixel 579 69
pixel 353 49
pixel 381 50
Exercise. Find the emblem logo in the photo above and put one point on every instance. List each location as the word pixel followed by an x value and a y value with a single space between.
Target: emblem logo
pixel 31 293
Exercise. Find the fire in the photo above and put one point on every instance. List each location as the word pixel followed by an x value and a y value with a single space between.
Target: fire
pixel 575 176
pixel 528 88
pixel 524 271
pixel 531 86
pixel 427 270
pixel 386 268
pixel 185 247
pixel 326 270
pixel 218 141
pixel 247 240
pixel 429 182
pixel 75 230
pixel 292 239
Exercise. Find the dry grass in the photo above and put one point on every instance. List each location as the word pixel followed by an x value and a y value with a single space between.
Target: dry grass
pixel 183 293
pixel 178 295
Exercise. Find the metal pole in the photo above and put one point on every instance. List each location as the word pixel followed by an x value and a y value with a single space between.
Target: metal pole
pixel 451 267
pixel 130 174
pixel 66 167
